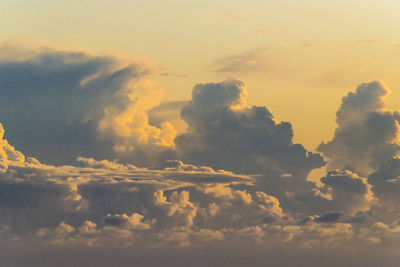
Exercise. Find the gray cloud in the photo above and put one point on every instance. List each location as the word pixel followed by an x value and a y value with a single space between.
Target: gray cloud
pixel 230 189
pixel 168 112
pixel 347 192
pixel 109 206
pixel 367 133
pixel 106 203
pixel 386 184
pixel 223 134
pixel 328 217
pixel 82 105
pixel 250 61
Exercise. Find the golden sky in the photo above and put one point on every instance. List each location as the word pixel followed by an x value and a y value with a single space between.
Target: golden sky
pixel 160 133
pixel 299 58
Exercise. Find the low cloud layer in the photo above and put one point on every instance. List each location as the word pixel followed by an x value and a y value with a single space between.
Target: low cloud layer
pixel 184 208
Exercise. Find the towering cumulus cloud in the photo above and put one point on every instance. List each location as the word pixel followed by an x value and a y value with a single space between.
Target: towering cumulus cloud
pixel 367 133
pixel 224 134
pixel 59 105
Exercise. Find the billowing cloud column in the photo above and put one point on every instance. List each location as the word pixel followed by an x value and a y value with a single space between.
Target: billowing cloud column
pixel 367 133
pixel 58 105
pixel 224 134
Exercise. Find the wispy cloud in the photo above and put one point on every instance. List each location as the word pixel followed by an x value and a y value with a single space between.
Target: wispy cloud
pixel 237 17
pixel 265 31
pixel 373 40
pixel 166 72
pixel 249 61
pixel 310 13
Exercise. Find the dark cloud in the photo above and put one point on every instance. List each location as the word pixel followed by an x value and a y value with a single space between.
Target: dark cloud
pixel 386 184
pixel 231 188
pixel 347 191
pixel 341 192
pixel 117 208
pixel 58 105
pixel 367 133
pixel 223 134
pixel 329 217
pixel 109 206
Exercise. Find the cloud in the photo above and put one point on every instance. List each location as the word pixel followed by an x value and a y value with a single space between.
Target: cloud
pixel 249 61
pixel 264 31
pixel 237 17
pixel 373 41
pixel 311 13
pixel 223 134
pixel 347 192
pixel 81 104
pixel 121 175
pixel 329 217
pixel 367 133
pixel 168 112
pixel 386 184
pixel 102 207
pixel 104 201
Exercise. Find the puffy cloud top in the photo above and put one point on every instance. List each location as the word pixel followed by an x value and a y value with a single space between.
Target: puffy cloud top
pixel 81 105
pixel 223 134
pixel 367 134
pixel 355 106
pixel 348 192
pixel 227 94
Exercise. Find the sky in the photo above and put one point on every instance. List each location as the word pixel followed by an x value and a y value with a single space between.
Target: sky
pixel 300 56
pixel 199 133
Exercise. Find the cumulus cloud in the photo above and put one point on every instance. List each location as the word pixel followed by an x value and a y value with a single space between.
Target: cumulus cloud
pixel 367 133
pixel 386 184
pixel 103 202
pixel 224 134
pixel 100 206
pixel 81 104
pixel 347 192
pixel 168 112
pixel 189 182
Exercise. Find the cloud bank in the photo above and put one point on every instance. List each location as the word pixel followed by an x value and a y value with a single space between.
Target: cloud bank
pixel 105 174
pixel 184 209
